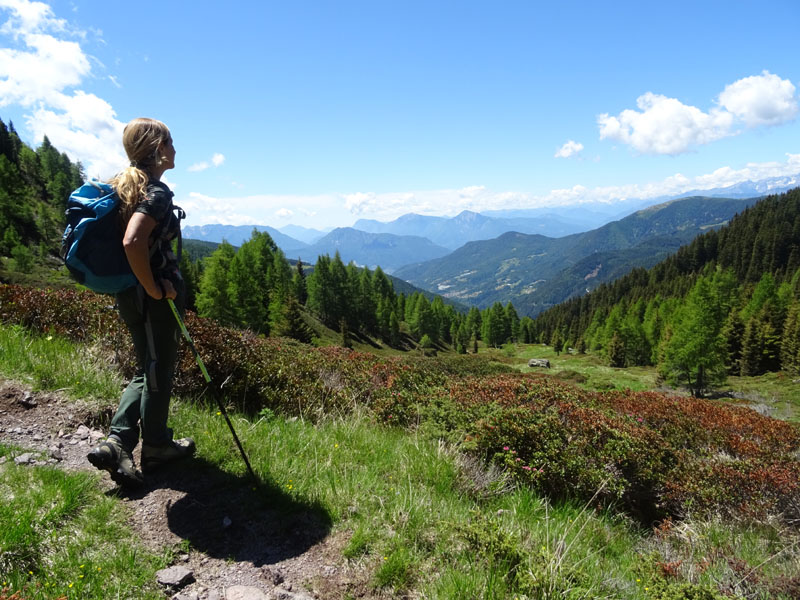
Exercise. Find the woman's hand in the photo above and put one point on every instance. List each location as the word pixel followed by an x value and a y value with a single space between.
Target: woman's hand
pixel 168 289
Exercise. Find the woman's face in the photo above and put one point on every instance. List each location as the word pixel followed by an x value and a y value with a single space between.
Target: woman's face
pixel 167 153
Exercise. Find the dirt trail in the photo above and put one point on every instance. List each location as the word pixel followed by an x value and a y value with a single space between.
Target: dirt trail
pixel 234 535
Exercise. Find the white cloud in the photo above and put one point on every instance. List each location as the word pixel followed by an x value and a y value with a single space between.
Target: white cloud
pixel 39 70
pixel 570 148
pixel 216 160
pixel 764 99
pixel 663 125
pixel 202 209
pixel 28 17
pixel 337 210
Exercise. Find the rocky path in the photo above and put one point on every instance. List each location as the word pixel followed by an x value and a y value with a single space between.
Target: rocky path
pixel 240 547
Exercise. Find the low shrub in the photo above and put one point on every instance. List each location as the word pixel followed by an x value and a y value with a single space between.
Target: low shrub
pixel 653 454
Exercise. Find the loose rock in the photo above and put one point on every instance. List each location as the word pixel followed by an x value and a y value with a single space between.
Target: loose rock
pixel 281 594
pixel 28 401
pixel 175 577
pixel 274 576
pixel 25 459
pixel 243 592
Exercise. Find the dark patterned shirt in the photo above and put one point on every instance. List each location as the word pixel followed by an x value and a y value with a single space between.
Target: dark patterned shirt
pixel 158 205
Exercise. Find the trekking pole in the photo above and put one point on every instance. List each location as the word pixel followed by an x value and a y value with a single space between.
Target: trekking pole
pixel 214 393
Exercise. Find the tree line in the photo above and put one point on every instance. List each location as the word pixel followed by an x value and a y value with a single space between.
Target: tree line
pixel 727 303
pixel 256 287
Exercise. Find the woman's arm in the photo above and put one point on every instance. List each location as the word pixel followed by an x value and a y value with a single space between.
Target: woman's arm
pixel 137 249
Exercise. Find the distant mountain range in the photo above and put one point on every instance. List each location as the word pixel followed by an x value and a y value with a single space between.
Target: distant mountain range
pixel 534 271
pixel 236 235
pixel 388 251
pixel 532 257
pixel 468 226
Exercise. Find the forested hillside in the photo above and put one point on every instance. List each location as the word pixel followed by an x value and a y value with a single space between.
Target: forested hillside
pixel 536 272
pixel 34 186
pixel 727 303
pixel 255 287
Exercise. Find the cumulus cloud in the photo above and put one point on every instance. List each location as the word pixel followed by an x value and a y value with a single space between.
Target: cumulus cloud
pixel 570 148
pixel 216 161
pixel 41 64
pixel 662 125
pixel 764 99
pixel 284 213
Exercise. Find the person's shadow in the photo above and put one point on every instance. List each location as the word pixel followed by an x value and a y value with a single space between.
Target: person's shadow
pixel 235 518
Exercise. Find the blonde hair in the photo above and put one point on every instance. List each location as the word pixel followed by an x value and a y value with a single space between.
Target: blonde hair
pixel 141 139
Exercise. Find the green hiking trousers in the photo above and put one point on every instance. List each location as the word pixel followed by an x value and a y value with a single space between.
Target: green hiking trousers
pixel 156 336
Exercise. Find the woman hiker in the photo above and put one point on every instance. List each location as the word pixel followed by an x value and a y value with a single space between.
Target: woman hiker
pixel 149 225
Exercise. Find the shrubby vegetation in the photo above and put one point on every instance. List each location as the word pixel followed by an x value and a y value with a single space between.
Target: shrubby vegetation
pixel 655 456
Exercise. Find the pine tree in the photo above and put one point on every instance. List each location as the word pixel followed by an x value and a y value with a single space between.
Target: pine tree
pixel 752 349
pixel 299 288
pixel 696 352
pixel 513 322
pixel 790 344
pixel 394 330
pixel 616 351
pixel 344 331
pixel 557 341
pixel 213 299
pixel 474 322
pixel 248 288
pixel 294 326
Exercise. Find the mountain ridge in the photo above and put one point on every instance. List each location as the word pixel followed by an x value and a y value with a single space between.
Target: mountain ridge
pixel 521 268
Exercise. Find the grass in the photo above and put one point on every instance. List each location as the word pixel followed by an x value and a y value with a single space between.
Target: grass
pixel 418 517
pixel 49 362
pixel 775 394
pixel 411 512
pixel 61 537
pixel 416 521
pixel 586 370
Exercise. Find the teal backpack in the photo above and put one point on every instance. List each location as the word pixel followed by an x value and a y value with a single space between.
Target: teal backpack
pixel 91 246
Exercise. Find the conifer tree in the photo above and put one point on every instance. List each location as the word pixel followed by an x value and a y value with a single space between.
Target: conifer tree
pixel 394 330
pixel 293 324
pixel 344 330
pixel 299 288
pixel 696 353
pixel 248 284
pixel 790 342
pixel 213 299
pixel 512 318
pixel 474 323
pixel 616 350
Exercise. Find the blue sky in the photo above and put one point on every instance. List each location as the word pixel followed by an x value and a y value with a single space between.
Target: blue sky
pixel 320 113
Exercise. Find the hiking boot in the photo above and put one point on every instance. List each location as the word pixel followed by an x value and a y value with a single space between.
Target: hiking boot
pixel 154 456
pixel 112 457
